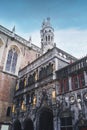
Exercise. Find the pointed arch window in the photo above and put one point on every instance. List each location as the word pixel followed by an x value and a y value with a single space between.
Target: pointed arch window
pixel 11 60
pixel 48 38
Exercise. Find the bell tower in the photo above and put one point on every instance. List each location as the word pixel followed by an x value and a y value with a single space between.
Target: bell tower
pixel 47 36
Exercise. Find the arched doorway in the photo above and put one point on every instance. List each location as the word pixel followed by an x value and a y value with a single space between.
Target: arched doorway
pixel 17 125
pixel 46 119
pixel 28 124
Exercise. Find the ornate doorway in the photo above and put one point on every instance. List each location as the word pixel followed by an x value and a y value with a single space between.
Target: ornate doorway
pixel 17 125
pixel 46 119
pixel 28 124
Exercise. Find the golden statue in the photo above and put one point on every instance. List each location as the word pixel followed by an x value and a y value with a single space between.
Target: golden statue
pixel 25 82
pixel 13 108
pixel 16 86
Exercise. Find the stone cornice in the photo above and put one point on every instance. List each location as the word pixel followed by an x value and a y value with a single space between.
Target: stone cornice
pixel 19 39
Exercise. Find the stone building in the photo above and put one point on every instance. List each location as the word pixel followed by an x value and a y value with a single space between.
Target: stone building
pixel 50 88
pixel 15 53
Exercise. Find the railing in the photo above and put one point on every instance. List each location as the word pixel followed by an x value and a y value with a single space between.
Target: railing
pixel 49 56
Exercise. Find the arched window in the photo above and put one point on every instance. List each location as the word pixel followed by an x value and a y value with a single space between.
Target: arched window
pixel 11 60
pixel 66 123
pixel 48 38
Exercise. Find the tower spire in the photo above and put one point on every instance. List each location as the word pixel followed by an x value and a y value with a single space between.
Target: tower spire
pixel 47 35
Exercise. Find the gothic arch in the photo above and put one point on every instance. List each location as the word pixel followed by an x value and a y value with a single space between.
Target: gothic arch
pixel 17 125
pixel 28 124
pixel 12 59
pixel 65 117
pixel 45 119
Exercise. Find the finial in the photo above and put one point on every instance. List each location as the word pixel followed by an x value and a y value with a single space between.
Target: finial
pixel 48 20
pixel 30 39
pixel 13 29
pixel 54 44
pixel 43 23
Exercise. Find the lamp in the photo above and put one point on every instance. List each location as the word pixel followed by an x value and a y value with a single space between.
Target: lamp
pixel 25 82
pixel 53 94
pixel 13 108
pixel 16 86
pixel 23 107
pixel 34 100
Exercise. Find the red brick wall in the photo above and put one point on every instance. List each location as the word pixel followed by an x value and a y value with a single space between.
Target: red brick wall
pixel 7 86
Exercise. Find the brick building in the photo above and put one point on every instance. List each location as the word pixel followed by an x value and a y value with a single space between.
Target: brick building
pixel 15 53
pixel 49 92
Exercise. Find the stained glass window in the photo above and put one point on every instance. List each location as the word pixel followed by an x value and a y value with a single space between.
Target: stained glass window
pixel 11 60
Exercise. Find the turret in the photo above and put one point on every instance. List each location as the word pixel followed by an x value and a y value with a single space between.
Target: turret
pixel 47 36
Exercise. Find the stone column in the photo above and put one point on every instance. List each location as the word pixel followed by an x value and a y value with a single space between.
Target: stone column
pixel 85 76
pixel 70 85
pixel 58 123
pixel 55 121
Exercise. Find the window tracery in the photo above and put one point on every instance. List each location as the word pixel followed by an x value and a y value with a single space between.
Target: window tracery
pixel 11 60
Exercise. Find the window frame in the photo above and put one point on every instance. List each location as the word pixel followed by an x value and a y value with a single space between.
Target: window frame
pixel 11 69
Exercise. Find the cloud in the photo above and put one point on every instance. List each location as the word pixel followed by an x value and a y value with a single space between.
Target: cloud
pixel 8 25
pixel 35 37
pixel 73 41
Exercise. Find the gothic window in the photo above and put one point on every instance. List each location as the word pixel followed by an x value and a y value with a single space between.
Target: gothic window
pixel 11 60
pixel 64 85
pixel 81 80
pixel 31 79
pixel 27 99
pixel 32 96
pixel 48 38
pixel 8 111
pixel 74 82
pixel 49 69
pixel 66 123
pixel 51 38
pixel 17 102
pixel 21 84
pixel 60 87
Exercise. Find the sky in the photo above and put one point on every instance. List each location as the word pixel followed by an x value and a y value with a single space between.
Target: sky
pixel 68 18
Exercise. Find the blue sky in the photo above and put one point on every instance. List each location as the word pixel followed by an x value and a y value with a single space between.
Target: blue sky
pixel 68 18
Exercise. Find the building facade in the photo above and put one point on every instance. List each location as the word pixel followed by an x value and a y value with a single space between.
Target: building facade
pixel 49 92
pixel 15 53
